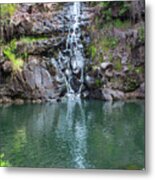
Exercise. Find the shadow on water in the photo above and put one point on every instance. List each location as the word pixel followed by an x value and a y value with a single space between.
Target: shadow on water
pixel 74 134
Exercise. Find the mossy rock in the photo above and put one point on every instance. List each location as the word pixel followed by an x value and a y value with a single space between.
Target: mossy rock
pixel 117 64
pixel 131 82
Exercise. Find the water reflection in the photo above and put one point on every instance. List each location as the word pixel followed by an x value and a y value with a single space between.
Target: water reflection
pixel 79 143
pixel 74 134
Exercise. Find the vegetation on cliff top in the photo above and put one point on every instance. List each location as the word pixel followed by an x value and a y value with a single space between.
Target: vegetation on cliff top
pixel 6 11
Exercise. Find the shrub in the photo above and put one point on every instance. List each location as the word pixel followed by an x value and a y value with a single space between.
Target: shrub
pixel 9 52
pixel 7 10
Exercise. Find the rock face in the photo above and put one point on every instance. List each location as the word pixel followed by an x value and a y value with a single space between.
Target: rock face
pixel 34 20
pixel 114 72
pixel 7 67
pixel 41 46
pixel 34 82
pixel 44 29
pixel 117 53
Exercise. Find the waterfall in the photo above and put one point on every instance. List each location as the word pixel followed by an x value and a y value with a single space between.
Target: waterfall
pixel 70 61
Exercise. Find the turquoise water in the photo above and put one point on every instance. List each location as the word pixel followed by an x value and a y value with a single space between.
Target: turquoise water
pixel 73 134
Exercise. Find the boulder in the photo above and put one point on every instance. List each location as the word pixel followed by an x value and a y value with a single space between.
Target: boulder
pixel 109 73
pixel 6 100
pixel 90 81
pixel 110 94
pixel 106 65
pixel 107 96
pixel 117 95
pixel 18 101
pixel 34 82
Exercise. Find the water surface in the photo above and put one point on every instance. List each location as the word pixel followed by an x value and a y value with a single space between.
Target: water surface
pixel 73 134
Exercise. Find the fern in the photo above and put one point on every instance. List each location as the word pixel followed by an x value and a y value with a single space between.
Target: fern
pixel 17 63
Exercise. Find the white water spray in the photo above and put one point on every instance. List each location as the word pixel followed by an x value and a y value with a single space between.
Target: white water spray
pixel 70 62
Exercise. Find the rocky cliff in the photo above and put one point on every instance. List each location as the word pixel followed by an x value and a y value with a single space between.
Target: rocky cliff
pixel 34 34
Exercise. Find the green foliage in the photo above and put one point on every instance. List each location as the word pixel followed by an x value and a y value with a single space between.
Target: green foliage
pixel 12 45
pixel 132 167
pixel 141 34
pixel 124 8
pixel 32 39
pixel 121 24
pixel 9 52
pixel 130 67
pixel 139 70
pixel 98 83
pixel 3 162
pixel 118 65
pixel 108 7
pixel 109 42
pixel 24 55
pixel 130 84
pixel 108 14
pixel 100 46
pixel 92 51
pixel 104 4
pixel 7 9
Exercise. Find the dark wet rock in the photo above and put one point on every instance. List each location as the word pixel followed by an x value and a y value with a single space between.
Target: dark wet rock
pixel 138 55
pixel 75 83
pixel 138 10
pixel 4 92
pixel 95 94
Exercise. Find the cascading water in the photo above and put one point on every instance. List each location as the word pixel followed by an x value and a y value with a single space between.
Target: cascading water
pixel 70 61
